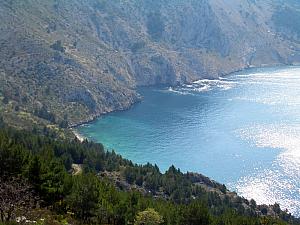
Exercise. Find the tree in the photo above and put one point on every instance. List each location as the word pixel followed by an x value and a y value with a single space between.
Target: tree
pixel 11 158
pixel 34 172
pixel 253 204
pixel 197 214
pixel 84 196
pixel 52 180
pixel 276 208
pixel 148 217
pixel 223 189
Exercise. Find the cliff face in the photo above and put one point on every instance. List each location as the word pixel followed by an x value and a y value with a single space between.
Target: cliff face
pixel 85 57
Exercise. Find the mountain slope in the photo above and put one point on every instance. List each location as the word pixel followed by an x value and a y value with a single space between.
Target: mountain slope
pixel 82 58
pixel 38 185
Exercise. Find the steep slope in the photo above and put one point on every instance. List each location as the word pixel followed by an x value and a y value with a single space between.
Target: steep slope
pixel 73 60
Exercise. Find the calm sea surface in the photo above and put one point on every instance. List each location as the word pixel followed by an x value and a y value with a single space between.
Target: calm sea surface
pixel 242 130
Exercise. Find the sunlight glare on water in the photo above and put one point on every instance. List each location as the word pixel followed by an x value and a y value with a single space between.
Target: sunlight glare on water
pixel 242 130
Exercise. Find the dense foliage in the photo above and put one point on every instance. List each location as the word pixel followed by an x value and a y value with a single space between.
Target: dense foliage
pixel 44 164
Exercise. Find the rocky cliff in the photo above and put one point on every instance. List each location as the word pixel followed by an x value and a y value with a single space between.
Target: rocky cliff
pixel 81 58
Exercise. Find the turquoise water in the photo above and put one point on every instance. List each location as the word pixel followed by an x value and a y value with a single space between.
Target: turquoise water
pixel 242 130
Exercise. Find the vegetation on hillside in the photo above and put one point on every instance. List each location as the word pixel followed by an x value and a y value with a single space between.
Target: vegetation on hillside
pixel 36 179
pixel 65 62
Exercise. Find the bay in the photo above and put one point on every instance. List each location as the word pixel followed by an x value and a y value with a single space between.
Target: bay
pixel 242 130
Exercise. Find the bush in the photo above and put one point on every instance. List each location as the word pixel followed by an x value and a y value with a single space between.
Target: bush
pixel 148 217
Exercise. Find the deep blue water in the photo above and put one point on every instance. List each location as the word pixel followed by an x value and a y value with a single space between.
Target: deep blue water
pixel 242 130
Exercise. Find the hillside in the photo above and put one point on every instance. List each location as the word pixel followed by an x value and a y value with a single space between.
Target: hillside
pixel 39 186
pixel 65 62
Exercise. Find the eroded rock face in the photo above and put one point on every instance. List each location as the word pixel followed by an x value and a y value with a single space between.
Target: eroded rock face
pixel 87 57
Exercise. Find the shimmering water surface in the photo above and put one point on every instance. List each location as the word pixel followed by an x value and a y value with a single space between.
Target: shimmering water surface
pixel 242 130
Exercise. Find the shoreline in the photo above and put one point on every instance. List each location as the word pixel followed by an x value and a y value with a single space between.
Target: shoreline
pixel 80 137
pixel 261 203
pixel 95 116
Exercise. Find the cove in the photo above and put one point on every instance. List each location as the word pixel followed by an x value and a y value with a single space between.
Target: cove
pixel 242 130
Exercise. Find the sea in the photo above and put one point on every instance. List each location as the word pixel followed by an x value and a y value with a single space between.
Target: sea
pixel 242 130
